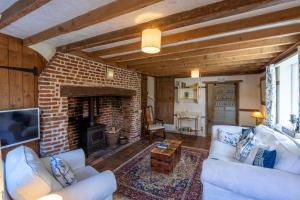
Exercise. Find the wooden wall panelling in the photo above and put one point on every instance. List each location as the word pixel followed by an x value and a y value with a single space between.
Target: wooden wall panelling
pixel 144 91
pixel 15 89
pixel 4 85
pixel 18 89
pixel 164 99
pixel 15 77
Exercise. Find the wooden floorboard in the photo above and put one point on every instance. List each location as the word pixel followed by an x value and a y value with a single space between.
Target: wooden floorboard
pixel 122 156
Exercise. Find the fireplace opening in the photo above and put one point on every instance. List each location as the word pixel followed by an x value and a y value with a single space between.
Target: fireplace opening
pixel 99 125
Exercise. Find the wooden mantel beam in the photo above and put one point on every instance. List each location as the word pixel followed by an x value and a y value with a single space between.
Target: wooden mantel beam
pixel 106 12
pixel 201 14
pixel 92 91
pixel 19 10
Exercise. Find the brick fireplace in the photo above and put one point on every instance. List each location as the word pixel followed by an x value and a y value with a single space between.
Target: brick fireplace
pixel 60 113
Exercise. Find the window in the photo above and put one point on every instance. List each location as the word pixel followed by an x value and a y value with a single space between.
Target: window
pixel 287 76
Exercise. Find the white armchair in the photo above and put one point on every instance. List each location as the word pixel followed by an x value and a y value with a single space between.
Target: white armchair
pixel 32 183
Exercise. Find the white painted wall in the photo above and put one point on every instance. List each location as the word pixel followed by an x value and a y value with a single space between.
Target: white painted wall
pixel 249 99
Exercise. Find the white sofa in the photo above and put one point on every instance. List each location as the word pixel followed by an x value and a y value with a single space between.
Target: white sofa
pixel 225 178
pixel 27 183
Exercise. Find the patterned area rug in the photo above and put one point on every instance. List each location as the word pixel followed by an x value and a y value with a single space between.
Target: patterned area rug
pixel 137 181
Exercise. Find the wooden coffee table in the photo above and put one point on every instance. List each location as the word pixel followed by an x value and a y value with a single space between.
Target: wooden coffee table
pixel 165 160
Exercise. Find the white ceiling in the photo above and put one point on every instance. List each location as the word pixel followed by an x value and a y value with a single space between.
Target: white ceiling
pixel 4 4
pixel 58 11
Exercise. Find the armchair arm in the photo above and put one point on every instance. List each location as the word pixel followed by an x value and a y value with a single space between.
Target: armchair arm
pixel 75 158
pixel 97 187
pixel 252 181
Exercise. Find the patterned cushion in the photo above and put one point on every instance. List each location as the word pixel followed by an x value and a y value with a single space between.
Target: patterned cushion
pixel 62 171
pixel 228 138
pixel 246 132
pixel 244 148
pixel 265 158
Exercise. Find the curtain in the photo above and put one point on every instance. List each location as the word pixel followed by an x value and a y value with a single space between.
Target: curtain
pixel 299 78
pixel 270 96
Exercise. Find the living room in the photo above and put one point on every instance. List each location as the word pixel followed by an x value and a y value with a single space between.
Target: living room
pixel 149 99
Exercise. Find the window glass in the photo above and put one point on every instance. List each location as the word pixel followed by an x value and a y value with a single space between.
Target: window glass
pixel 287 74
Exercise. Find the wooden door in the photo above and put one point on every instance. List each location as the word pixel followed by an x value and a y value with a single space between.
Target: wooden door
pixel 164 99
pixel 144 91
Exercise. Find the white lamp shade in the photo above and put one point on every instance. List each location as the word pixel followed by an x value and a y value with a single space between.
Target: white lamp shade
pixel 151 40
pixel 195 73
pixel 51 197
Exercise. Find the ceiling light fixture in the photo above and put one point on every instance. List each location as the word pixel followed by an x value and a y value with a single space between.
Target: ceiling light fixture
pixel 151 40
pixel 195 73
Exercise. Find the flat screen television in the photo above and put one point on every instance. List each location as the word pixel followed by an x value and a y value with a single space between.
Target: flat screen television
pixel 19 126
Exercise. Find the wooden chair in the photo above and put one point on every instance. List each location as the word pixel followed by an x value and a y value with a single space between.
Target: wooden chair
pixel 152 125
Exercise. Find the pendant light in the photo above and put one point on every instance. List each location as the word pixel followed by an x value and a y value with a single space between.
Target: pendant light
pixel 151 40
pixel 195 73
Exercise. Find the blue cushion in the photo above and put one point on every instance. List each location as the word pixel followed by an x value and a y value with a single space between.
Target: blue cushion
pixel 265 158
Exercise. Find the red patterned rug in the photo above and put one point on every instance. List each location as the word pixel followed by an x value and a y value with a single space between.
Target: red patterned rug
pixel 137 181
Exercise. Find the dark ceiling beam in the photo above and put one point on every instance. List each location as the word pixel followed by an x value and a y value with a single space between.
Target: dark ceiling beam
pixel 201 14
pixel 273 42
pixel 19 10
pixel 98 15
pixel 252 22
pixel 283 55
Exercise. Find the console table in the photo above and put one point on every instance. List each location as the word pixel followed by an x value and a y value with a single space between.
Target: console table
pixel 195 118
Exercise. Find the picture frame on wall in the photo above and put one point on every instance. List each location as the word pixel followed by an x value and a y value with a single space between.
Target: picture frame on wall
pixel 263 90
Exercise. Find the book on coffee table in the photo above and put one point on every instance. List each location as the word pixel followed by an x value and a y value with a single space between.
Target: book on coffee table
pixel 162 145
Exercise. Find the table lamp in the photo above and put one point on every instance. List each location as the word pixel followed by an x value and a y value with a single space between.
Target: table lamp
pixel 257 115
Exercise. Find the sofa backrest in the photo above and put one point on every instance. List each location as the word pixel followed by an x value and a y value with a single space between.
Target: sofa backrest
pixel 231 129
pixel 26 177
pixel 271 137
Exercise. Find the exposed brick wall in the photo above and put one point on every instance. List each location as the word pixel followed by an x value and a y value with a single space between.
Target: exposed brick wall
pixel 66 69
pixel 111 111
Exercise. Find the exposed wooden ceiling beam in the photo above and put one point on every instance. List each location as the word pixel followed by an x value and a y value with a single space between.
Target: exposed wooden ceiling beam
pixel 202 61
pixel 283 31
pixel 280 16
pixel 283 55
pixel 211 73
pixel 273 42
pixel 191 66
pixel 201 14
pixel 251 53
pixel 19 10
pixel 205 69
pixel 101 14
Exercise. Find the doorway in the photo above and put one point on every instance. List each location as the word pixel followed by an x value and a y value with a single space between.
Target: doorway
pixel 221 104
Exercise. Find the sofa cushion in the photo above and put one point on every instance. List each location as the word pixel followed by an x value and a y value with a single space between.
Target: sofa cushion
pixel 227 137
pixel 244 148
pixel 287 161
pixel 62 171
pixel 246 132
pixel 221 151
pixel 265 135
pixel 26 177
pixel 265 158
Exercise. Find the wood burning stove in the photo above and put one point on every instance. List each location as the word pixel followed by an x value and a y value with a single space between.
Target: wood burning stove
pixel 93 135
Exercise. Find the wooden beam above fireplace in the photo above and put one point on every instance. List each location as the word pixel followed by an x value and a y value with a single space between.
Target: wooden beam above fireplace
pixel 92 91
